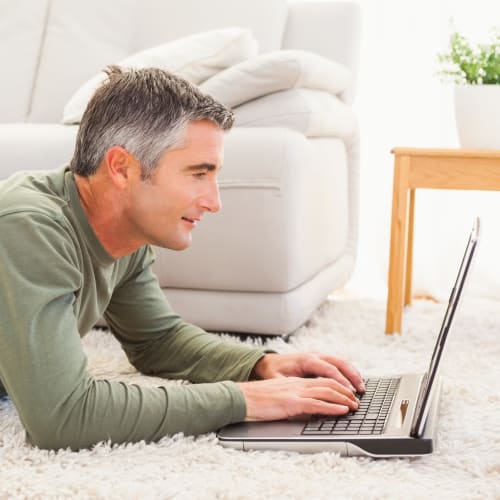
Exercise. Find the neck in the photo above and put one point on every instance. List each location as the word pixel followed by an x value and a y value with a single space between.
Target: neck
pixel 101 203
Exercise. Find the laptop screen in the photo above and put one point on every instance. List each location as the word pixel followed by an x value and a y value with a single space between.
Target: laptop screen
pixel 428 383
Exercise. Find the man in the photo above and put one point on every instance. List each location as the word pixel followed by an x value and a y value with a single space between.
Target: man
pixel 75 247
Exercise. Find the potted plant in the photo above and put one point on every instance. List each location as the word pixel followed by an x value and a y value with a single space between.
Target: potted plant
pixel 475 71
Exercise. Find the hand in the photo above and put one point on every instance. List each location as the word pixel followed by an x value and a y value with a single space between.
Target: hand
pixel 309 365
pixel 283 397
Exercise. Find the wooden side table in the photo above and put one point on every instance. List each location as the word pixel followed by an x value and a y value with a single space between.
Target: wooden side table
pixel 431 169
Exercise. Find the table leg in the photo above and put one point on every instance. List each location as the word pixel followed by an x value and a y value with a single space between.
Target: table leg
pixel 398 245
pixel 409 249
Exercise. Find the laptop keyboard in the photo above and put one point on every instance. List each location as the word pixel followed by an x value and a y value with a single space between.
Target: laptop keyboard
pixel 370 418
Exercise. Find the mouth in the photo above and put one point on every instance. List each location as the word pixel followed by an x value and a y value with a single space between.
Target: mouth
pixel 193 222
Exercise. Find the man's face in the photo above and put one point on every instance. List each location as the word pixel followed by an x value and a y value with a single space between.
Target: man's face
pixel 165 209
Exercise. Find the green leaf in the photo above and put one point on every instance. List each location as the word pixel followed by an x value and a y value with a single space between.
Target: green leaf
pixel 471 64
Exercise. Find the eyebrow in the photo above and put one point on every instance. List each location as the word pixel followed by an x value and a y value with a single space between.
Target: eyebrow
pixel 201 166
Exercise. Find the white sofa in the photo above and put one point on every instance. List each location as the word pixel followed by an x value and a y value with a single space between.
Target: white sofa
pixel 287 233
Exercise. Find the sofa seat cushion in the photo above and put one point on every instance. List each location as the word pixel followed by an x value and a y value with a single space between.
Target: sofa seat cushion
pixel 314 113
pixel 279 192
pixel 280 70
pixel 196 58
pixel 259 312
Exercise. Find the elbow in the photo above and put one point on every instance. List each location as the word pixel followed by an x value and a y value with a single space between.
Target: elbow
pixel 47 437
pixel 141 367
pixel 141 363
pixel 50 434
pixel 46 442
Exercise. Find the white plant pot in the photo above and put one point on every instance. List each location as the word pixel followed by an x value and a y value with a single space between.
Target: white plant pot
pixel 477 115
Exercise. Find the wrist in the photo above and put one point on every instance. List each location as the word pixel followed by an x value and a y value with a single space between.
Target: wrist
pixel 260 369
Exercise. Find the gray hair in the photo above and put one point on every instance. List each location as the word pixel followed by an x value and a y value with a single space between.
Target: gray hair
pixel 145 111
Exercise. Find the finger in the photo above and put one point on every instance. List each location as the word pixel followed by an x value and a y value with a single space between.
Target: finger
pixel 329 395
pixel 322 368
pixel 332 385
pixel 315 407
pixel 347 370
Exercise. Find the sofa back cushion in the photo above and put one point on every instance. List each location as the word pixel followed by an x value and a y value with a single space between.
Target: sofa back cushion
pixel 336 34
pixel 195 57
pixel 280 70
pixel 21 34
pixel 313 113
pixel 82 37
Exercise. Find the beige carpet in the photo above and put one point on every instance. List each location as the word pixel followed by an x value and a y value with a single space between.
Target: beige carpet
pixel 466 464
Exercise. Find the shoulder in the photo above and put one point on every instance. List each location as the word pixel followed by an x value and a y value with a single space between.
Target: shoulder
pixel 28 193
pixel 32 214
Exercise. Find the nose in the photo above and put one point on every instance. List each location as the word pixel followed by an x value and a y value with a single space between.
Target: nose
pixel 211 201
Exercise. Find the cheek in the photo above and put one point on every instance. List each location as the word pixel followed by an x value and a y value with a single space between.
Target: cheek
pixel 170 207
pixel 184 197
pixel 148 205
pixel 168 201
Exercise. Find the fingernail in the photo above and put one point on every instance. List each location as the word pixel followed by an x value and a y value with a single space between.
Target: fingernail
pixel 363 388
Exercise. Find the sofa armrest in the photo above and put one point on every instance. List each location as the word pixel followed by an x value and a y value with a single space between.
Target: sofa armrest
pixel 27 146
pixel 336 34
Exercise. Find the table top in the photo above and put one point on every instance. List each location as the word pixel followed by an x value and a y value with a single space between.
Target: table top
pixel 459 153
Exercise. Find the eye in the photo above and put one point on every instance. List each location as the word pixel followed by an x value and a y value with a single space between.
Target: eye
pixel 200 175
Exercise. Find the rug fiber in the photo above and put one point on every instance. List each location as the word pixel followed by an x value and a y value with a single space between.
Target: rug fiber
pixel 465 465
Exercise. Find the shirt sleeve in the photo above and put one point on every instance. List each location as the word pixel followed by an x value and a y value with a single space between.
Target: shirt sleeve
pixel 158 342
pixel 43 366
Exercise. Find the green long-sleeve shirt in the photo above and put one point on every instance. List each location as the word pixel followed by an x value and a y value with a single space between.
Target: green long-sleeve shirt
pixel 56 281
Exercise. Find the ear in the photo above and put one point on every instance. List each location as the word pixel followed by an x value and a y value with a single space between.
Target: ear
pixel 121 166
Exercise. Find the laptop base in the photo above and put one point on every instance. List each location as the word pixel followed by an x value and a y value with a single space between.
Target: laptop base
pixel 284 435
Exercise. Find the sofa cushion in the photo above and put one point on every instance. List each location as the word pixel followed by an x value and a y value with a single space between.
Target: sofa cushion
pixel 21 37
pixel 35 146
pixel 314 113
pixel 159 21
pixel 336 34
pixel 83 37
pixel 280 70
pixel 195 58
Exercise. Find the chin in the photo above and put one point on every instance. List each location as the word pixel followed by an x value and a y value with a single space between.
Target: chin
pixel 173 242
pixel 177 245
pixel 179 248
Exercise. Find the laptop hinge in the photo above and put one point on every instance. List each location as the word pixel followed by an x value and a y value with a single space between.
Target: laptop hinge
pixel 419 407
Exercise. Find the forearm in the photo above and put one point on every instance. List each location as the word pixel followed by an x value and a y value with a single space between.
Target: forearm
pixel 157 341
pixel 189 353
pixel 44 370
pixel 109 411
pixel 61 405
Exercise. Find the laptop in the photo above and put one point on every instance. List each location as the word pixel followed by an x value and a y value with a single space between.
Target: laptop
pixel 397 415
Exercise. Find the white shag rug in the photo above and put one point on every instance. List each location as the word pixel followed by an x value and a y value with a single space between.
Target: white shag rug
pixel 465 465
